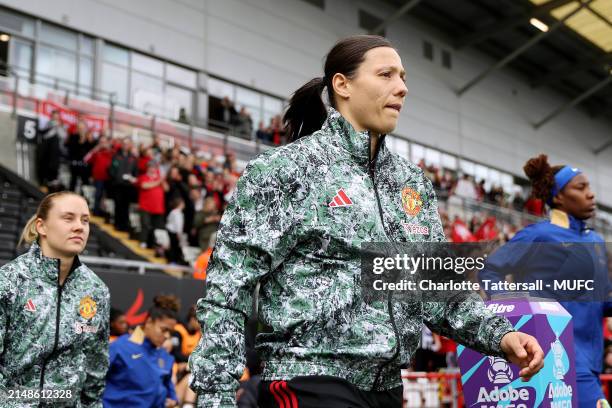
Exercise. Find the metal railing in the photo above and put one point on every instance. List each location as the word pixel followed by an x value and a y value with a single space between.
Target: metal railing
pixel 178 271
pixel 103 103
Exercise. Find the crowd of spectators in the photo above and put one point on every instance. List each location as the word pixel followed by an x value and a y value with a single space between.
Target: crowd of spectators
pixel 184 192
pixel 449 183
pixel 228 118
pixel 172 188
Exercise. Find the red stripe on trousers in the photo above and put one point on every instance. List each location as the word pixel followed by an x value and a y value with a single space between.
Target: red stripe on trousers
pixel 279 401
pixel 294 403
pixel 277 387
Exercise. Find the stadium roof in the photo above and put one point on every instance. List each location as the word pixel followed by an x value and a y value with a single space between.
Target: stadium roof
pixel 571 51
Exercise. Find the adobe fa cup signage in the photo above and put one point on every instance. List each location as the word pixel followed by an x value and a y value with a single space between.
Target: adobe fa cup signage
pixel 493 382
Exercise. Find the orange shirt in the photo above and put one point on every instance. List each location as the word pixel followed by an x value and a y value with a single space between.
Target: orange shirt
pixel 201 263
pixel 188 341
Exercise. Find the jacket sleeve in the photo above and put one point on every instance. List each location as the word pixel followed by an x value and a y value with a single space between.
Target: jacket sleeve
pixel 5 302
pixel 461 316
pixel 170 387
pixel 256 234
pixel 97 361
pixel 510 259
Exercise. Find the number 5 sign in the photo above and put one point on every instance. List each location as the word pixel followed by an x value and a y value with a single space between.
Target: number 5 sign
pixel 27 129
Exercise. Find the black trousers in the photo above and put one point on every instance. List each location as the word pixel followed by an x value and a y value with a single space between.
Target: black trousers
pixel 148 223
pixel 78 171
pixel 123 196
pixel 324 392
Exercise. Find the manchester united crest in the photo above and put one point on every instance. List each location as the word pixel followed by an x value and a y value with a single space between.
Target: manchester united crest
pixel 411 201
pixel 87 307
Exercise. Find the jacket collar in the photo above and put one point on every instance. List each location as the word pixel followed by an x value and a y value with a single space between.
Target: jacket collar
pixel 138 337
pixel 49 267
pixel 565 220
pixel 357 144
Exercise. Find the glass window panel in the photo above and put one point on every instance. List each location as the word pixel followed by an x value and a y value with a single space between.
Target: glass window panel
pixel 402 147
pixel 495 177
pixel 481 172
pixel 54 63
pixel 267 119
pixel 507 181
pixel 181 76
pixel 85 75
pixel 144 63
pixel 467 167
pixel 87 45
pixel 449 161
pixel 177 99
pixel 253 111
pixel 432 156
pixel 272 104
pixel 21 56
pixel 115 79
pixel 220 89
pixel 202 107
pixel 397 145
pixel 417 152
pixel 147 93
pixel 115 54
pixel 247 97
pixel 202 80
pixel 17 23
pixel 59 36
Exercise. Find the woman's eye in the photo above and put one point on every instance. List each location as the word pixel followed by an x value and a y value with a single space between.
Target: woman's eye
pixel 386 74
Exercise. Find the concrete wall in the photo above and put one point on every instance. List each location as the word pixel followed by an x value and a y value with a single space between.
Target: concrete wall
pixel 8 135
pixel 277 45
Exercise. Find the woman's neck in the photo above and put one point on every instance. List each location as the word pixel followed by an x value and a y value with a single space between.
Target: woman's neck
pixel 65 261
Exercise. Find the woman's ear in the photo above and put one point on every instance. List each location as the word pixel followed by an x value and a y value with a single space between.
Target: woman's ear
pixel 41 227
pixel 340 83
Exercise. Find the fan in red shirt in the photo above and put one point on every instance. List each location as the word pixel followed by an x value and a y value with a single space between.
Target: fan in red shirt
pixel 151 189
pixel 100 158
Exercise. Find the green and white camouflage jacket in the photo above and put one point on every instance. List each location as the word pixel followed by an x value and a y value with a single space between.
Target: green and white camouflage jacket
pixel 296 223
pixel 52 338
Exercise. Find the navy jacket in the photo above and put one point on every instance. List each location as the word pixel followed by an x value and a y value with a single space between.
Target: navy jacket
pixel 562 248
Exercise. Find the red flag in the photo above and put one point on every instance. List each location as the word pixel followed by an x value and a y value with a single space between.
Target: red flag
pixel 488 230
pixel 461 233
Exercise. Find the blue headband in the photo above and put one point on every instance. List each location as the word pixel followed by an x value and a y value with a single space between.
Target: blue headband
pixel 563 177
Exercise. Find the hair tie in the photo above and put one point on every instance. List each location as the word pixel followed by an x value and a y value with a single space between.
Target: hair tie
pixel 563 176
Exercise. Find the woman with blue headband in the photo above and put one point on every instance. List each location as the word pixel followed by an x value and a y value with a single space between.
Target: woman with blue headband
pixel 563 247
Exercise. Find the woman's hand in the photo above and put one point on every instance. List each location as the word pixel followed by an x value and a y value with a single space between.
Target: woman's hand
pixel 524 351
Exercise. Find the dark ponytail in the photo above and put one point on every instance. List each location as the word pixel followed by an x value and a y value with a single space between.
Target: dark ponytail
pixel 542 176
pixel 307 111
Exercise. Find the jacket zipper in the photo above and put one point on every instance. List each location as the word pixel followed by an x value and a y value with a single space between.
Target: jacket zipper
pixel 57 324
pixel 371 165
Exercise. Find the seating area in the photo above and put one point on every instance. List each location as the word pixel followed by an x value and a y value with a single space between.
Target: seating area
pixel 18 202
